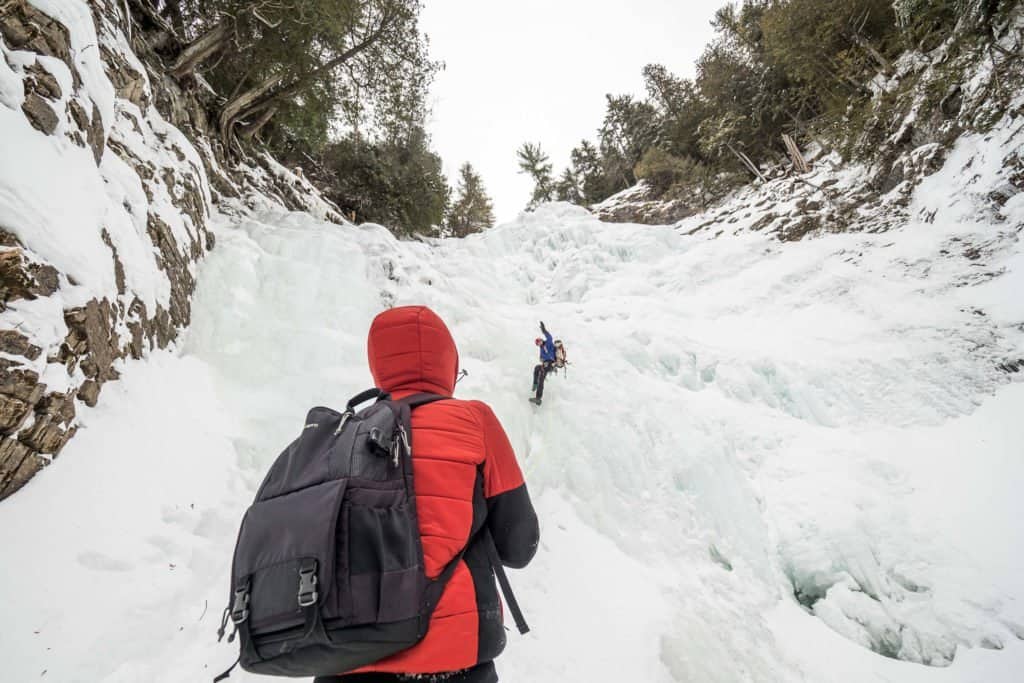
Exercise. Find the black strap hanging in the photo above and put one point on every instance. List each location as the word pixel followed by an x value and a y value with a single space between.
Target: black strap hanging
pixel 506 587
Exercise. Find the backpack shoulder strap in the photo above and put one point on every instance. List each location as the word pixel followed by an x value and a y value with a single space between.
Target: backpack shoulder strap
pixel 417 400
pixel 403 411
pixel 404 407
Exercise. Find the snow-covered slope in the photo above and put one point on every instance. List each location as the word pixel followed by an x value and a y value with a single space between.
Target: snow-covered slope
pixel 767 462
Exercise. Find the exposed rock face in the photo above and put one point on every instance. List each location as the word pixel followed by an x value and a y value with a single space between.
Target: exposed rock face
pixel 24 27
pixel 142 129
pixel 640 205
pixel 35 421
pixel 40 114
pixel 21 278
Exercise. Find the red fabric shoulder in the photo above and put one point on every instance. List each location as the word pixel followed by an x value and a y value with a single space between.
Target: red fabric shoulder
pixel 501 470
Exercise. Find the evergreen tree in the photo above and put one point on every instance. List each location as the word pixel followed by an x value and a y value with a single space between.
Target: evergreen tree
pixel 397 182
pixel 567 188
pixel 472 210
pixel 831 49
pixel 629 128
pixel 363 60
pixel 534 162
pixel 680 111
pixel 796 67
pixel 589 171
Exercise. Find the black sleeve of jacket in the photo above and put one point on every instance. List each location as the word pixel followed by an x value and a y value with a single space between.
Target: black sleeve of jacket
pixel 510 515
pixel 513 524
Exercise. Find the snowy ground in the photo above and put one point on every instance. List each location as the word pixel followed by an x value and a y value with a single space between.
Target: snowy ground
pixel 745 423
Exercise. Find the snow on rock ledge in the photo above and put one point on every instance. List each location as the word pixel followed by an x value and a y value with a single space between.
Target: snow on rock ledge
pixel 104 212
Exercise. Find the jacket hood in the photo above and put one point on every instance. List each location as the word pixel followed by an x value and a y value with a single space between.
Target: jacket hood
pixel 410 350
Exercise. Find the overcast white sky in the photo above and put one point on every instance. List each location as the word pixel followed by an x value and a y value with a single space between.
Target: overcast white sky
pixel 530 70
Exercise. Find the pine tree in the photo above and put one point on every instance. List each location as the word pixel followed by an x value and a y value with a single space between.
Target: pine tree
pixel 534 162
pixel 588 168
pixel 290 62
pixel 397 182
pixel 629 128
pixel 567 189
pixel 472 210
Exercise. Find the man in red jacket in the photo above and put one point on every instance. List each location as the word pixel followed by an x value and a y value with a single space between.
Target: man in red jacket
pixel 465 471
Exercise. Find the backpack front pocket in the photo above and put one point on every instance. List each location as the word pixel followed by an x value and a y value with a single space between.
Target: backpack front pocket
pixel 286 554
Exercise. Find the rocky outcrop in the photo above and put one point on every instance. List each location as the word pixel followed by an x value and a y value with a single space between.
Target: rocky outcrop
pixel 640 204
pixel 89 83
pixel 37 419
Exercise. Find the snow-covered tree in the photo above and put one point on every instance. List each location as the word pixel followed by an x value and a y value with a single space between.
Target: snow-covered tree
pixel 472 210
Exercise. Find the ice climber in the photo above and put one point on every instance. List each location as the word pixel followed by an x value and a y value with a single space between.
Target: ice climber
pixel 466 476
pixel 547 363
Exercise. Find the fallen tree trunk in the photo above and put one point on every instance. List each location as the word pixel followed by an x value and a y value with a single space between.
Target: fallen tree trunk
pixel 799 163
pixel 745 160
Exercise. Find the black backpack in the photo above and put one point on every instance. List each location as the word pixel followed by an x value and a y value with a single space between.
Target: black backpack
pixel 328 568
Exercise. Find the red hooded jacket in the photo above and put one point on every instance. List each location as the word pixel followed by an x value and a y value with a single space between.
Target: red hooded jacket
pixel 454 443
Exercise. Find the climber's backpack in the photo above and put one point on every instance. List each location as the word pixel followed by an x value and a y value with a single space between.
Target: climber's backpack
pixel 328 568
pixel 561 359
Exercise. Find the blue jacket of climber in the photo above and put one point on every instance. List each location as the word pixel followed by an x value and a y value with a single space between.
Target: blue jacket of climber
pixel 547 346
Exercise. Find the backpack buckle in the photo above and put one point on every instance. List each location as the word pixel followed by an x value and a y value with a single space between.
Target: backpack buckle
pixel 308 594
pixel 240 606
